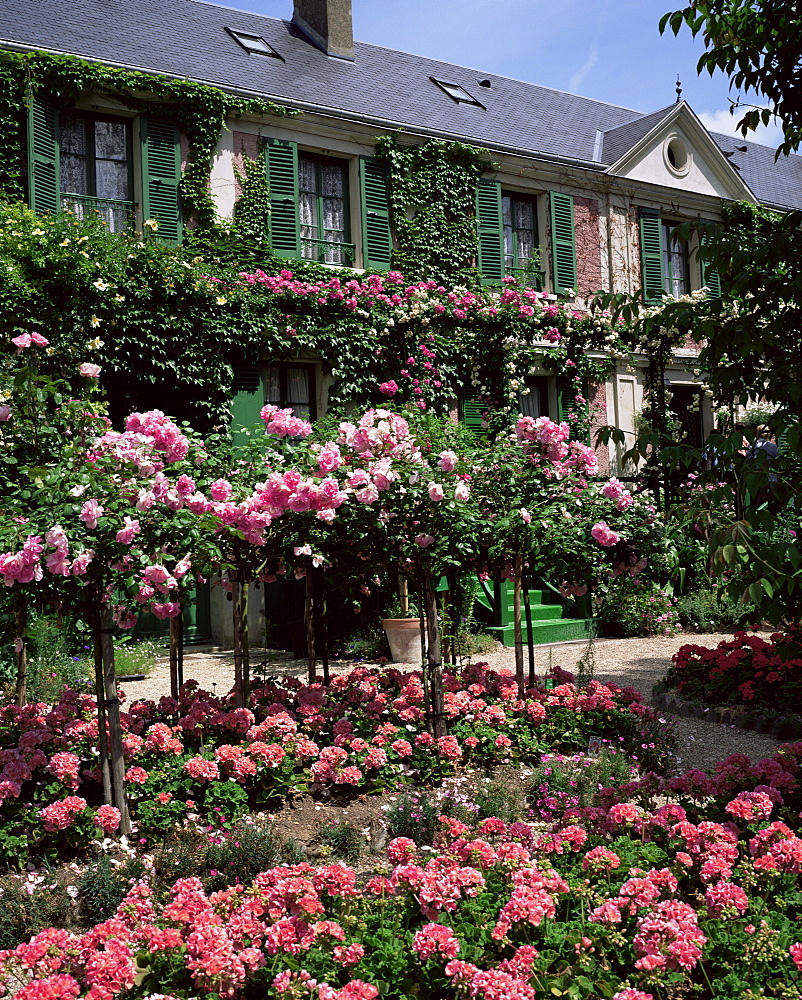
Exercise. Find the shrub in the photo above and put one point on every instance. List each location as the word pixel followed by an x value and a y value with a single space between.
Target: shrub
pixel 22 912
pixel 411 815
pixel 343 840
pixel 104 885
pixel 639 608
pixel 236 856
pixel 711 611
pixel 560 782
pixel 498 798
pixel 745 670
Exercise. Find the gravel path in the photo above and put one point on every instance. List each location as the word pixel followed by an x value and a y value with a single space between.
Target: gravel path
pixel 640 663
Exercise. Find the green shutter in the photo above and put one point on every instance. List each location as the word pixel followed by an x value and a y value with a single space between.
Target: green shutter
pixel 247 399
pixel 490 231
pixel 472 411
pixel 563 244
pixel 377 241
pixel 710 276
pixel 282 178
pixel 43 159
pixel 160 146
pixel 651 256
pixel 567 390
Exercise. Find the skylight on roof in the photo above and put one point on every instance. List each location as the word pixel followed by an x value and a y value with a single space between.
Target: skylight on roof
pixel 254 44
pixel 457 93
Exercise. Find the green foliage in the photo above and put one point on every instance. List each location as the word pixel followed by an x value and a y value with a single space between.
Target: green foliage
pixel 225 802
pixel 51 659
pixel 104 884
pixel 711 611
pixel 240 854
pixel 29 903
pixel 757 46
pixel 342 840
pixel 432 193
pixel 413 815
pixel 181 854
pixel 198 109
pixel 252 209
pixel 637 607
pixel 499 798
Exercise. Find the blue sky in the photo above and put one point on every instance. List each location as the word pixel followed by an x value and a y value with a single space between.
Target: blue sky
pixel 610 50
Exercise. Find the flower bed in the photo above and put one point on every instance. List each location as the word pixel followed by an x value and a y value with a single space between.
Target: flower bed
pixel 632 902
pixel 747 671
pixel 200 756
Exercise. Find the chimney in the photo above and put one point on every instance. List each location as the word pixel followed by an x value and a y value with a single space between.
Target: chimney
pixel 328 24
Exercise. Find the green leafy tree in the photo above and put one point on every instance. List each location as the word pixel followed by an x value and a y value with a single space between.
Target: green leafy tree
pixel 757 44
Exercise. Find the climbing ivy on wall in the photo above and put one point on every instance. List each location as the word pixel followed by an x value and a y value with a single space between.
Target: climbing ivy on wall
pixel 252 208
pixel 199 110
pixel 166 323
pixel 433 204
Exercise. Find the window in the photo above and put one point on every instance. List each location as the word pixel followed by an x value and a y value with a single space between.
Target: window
pixel 456 93
pixel 664 258
pixel 254 44
pixel 535 401
pixel 282 383
pixel 95 168
pixel 508 239
pixel 291 385
pixel 521 247
pixel 323 211
pixel 84 163
pixel 310 203
pixel 675 263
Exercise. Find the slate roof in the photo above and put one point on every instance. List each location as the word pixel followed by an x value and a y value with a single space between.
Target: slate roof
pixel 187 38
pixel 618 141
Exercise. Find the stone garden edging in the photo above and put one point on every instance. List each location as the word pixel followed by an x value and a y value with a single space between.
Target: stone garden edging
pixel 782 727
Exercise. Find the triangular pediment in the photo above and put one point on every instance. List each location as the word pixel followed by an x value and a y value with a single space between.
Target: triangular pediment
pixel 672 148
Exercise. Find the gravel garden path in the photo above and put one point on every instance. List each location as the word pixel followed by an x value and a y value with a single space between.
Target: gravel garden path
pixel 640 663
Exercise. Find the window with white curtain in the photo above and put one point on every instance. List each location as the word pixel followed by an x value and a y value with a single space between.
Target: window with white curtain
pixel 323 210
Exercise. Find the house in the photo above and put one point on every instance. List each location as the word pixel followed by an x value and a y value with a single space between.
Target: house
pixel 579 195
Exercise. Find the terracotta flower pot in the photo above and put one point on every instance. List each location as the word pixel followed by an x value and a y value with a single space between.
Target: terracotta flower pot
pixel 403 634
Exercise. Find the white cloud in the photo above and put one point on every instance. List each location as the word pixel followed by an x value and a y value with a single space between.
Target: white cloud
pixel 724 122
pixel 577 79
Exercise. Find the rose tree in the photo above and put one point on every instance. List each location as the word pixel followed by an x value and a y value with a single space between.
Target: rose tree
pixel 540 508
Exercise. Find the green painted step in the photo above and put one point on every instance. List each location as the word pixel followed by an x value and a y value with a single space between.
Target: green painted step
pixel 550 623
pixel 552 630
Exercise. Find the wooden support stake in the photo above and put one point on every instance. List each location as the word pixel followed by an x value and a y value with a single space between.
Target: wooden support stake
pixel 180 621
pixel 115 728
pixel 102 731
pixel 20 648
pixel 530 638
pixel 236 622
pixel 424 667
pixel 245 643
pixel 174 684
pixel 321 631
pixel 434 660
pixel 309 618
pixel 516 620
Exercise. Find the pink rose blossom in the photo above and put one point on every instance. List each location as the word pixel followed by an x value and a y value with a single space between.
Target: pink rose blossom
pixel 605 536
pixel 88 369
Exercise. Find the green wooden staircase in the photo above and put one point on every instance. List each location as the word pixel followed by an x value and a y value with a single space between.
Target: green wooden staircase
pixel 551 621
